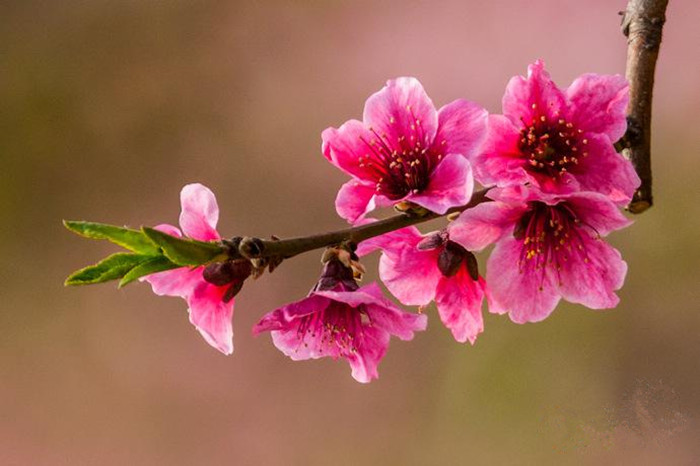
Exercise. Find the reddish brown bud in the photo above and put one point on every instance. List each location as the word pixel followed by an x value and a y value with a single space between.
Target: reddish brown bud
pixel 472 266
pixel 451 258
pixel 222 273
pixel 232 291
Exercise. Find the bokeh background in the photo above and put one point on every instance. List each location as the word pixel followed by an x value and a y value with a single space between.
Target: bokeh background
pixel 107 108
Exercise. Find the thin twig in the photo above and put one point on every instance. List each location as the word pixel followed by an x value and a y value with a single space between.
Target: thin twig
pixel 642 24
pixel 256 248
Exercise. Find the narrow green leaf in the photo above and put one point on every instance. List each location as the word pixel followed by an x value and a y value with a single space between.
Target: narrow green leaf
pixel 153 265
pixel 111 268
pixel 133 240
pixel 184 251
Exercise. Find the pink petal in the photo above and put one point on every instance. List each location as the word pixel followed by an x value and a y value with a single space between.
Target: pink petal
pixel 521 194
pixel 368 294
pixel 597 211
pixel 607 172
pixel 282 317
pixel 355 199
pixel 566 183
pixel 200 213
pixel 289 341
pixel 169 229
pixel 500 160
pixel 599 104
pixel 451 185
pixel 344 146
pixel 478 227
pixel 537 89
pixel 402 108
pixel 461 128
pixel 494 306
pixel 410 274
pixel 408 235
pixel 459 300
pixel 364 362
pixel 527 296
pixel 211 316
pixel 178 282
pixel 396 322
pixel 593 282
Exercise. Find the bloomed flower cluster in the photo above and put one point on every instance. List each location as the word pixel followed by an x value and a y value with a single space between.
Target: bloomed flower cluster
pixel 555 187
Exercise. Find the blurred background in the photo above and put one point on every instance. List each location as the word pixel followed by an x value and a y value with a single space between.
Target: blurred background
pixel 109 107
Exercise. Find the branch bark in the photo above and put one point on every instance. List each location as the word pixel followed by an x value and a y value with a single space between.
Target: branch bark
pixel 642 24
pixel 256 248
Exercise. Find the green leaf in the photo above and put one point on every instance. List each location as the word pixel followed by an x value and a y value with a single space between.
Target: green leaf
pixel 111 268
pixel 134 240
pixel 185 251
pixel 153 265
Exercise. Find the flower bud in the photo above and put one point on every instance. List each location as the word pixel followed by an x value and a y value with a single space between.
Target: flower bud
pixel 223 273
pixel 338 269
pixel 450 259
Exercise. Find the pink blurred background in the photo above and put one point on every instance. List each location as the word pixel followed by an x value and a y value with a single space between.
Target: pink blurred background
pixel 110 107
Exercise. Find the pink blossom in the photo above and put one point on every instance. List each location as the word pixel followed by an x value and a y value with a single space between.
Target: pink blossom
pixel 210 304
pixel 559 140
pixel 548 247
pixel 340 320
pixel 418 269
pixel 405 150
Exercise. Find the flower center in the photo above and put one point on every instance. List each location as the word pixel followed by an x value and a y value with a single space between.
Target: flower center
pixel 551 236
pixel 399 163
pixel 339 325
pixel 552 147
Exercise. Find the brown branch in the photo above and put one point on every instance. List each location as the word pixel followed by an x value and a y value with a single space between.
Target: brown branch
pixel 256 248
pixel 642 24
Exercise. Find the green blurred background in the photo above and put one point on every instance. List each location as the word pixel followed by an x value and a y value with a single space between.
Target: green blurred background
pixel 109 107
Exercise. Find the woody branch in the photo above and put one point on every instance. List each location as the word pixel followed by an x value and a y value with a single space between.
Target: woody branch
pixel 642 24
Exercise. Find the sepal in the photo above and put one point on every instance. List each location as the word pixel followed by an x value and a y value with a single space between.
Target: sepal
pixel 185 252
pixel 152 265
